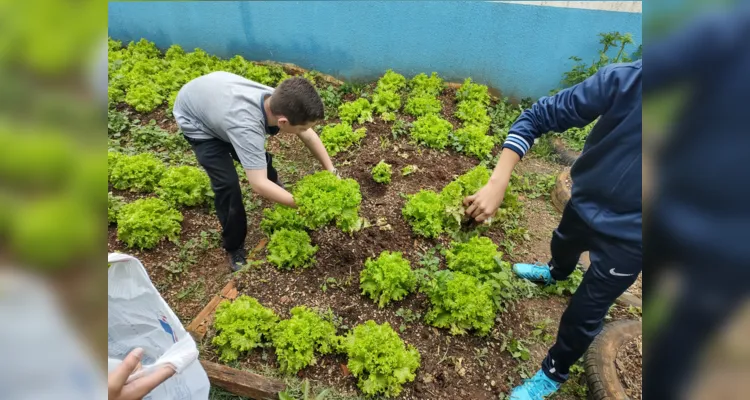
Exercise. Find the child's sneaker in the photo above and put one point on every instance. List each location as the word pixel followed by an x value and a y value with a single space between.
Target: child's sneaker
pixel 536 388
pixel 534 272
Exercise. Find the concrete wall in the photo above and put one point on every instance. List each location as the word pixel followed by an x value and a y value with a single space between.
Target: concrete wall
pixel 521 49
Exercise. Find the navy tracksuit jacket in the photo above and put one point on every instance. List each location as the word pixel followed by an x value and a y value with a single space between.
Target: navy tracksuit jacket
pixel 604 212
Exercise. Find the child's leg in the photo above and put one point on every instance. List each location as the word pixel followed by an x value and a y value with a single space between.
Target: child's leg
pixel 216 157
pixel 569 240
pixel 615 265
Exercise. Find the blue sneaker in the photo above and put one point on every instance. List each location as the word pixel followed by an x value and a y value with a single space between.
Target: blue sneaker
pixel 536 388
pixel 534 272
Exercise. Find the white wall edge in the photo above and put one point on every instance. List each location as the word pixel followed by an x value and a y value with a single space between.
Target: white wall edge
pixel 616 6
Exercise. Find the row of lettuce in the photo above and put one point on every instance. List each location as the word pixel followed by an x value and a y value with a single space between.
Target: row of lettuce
pixel 144 78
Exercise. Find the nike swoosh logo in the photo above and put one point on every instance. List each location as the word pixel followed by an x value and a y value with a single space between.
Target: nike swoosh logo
pixel 612 271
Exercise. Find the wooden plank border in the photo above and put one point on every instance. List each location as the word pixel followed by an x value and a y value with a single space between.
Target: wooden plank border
pixel 241 383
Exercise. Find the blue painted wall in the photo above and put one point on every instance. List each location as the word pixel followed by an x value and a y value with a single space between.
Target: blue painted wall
pixel 521 50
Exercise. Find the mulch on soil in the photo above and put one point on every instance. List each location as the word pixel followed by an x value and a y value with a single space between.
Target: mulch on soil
pixel 629 367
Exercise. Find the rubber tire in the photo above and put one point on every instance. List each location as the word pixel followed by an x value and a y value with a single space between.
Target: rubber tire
pixel 561 191
pixel 566 155
pixel 599 361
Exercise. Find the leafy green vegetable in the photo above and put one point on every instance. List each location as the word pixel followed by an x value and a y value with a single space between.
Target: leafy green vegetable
pixel 422 104
pixel 112 158
pixel 186 186
pixel 422 84
pixel 454 193
pixel 241 326
pixel 151 137
pixel 569 285
pixel 388 278
pixel 507 287
pixel 475 257
pixel 139 173
pixel 358 110
pixel 298 338
pixel 289 249
pixel 117 123
pixel 473 140
pixel 432 131
pixel 139 76
pixel 384 101
pixel 379 359
pixel 391 82
pixel 400 128
pixel 408 170
pixel 459 302
pixel 575 138
pixel 470 91
pixel 424 212
pixel 145 97
pixel 615 40
pixel 381 173
pixel 145 222
pixel 281 217
pixel 339 137
pixel 323 198
pixel 114 203
pixel 503 115
pixel 473 113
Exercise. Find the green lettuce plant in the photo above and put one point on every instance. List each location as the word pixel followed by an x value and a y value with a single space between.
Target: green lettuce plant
pixel 388 278
pixel 422 104
pixel 460 303
pixel 359 111
pixel 381 173
pixel 339 137
pixel 424 212
pixel 432 131
pixel 185 186
pixel 379 359
pixel 323 198
pixel 289 249
pixel 242 325
pixel 146 222
pixel 139 173
pixel 281 217
pixel 298 338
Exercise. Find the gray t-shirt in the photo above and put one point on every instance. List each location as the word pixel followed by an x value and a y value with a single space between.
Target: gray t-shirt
pixel 228 107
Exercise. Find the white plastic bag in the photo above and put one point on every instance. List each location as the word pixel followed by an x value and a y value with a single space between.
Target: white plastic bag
pixel 139 317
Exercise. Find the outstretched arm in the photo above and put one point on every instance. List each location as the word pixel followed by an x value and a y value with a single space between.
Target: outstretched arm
pixel 576 106
pixel 313 143
pixel 260 184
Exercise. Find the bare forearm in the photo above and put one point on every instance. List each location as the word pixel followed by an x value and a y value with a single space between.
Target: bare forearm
pixel 273 192
pixel 313 143
pixel 501 175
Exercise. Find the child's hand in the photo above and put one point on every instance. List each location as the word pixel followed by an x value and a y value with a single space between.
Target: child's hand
pixel 336 172
pixel 121 389
pixel 484 203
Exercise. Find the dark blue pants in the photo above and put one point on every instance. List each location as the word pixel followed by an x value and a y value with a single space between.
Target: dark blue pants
pixel 615 265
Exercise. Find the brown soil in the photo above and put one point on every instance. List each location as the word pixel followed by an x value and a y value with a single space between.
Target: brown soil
pixel 629 367
pixel 450 366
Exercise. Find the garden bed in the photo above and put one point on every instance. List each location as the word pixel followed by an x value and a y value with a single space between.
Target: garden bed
pixel 191 270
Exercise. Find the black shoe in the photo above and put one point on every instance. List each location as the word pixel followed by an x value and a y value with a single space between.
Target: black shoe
pixel 237 259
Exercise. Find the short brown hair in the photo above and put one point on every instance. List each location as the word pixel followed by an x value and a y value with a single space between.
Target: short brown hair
pixel 297 100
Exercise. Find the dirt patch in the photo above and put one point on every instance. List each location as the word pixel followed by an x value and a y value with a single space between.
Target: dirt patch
pixel 186 291
pixel 629 367
pixel 452 366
